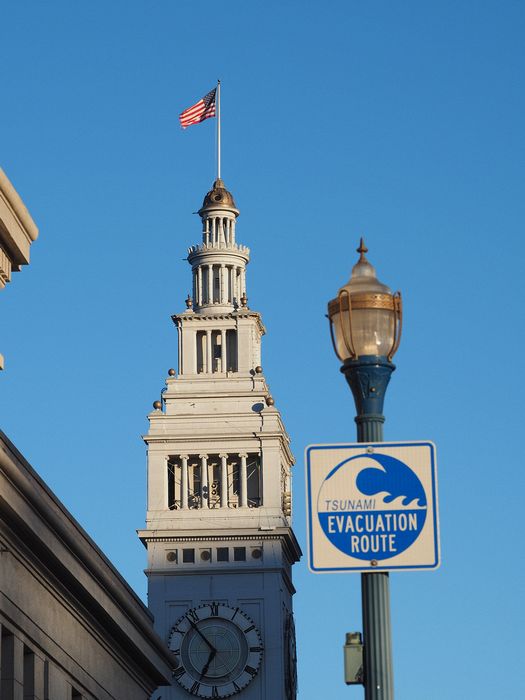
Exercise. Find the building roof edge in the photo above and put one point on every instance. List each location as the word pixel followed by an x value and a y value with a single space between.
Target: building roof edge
pixel 18 207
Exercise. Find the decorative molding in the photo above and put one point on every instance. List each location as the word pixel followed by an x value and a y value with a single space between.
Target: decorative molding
pixel 17 228
pixel 5 268
pixel 368 378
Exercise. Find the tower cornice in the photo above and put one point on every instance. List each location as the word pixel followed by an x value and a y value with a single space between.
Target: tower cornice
pixel 234 250
pixel 211 316
pixel 283 534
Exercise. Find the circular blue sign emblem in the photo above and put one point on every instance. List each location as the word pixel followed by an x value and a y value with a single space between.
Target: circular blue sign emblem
pixel 372 506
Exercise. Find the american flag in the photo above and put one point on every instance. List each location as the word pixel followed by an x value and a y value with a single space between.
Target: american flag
pixel 203 109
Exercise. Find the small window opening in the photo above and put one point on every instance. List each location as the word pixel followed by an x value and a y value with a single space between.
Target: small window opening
pixel 216 284
pixel 223 554
pixel 194 495
pixel 239 553
pixel 29 672
pixel 253 469
pixel 231 351
pixel 171 486
pixel 201 351
pixel 188 556
pixel 216 348
pixel 205 286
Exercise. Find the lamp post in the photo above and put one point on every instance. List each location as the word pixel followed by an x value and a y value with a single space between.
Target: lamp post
pixel 365 323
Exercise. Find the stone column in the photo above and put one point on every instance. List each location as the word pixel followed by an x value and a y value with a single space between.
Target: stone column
pixel 243 281
pixel 244 480
pixel 184 481
pixel 204 481
pixel 236 285
pixel 224 366
pixel 199 286
pixel 224 480
pixel 12 667
pixel 209 358
pixel 57 686
pixel 39 676
pixel 210 284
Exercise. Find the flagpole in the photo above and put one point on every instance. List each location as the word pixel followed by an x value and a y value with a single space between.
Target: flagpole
pixel 218 129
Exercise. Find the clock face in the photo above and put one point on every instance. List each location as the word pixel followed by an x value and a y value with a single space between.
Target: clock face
pixel 217 649
pixel 290 660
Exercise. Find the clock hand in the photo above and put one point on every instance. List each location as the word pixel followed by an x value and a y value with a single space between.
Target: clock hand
pixel 214 650
pixel 206 667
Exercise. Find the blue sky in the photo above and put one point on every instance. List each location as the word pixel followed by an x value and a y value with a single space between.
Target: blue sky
pixel 402 122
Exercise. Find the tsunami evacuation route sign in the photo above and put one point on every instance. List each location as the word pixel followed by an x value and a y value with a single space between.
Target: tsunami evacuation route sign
pixel 372 507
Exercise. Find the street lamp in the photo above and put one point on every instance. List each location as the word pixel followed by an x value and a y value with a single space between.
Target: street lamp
pixel 365 324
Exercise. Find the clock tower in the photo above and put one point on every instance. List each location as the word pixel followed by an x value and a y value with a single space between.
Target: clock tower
pixel 218 526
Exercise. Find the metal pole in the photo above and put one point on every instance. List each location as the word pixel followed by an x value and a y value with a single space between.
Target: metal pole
pixel 368 378
pixel 218 129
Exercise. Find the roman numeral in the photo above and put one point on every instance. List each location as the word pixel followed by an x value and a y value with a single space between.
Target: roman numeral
pixel 214 692
pixel 214 607
pixel 237 688
pixel 195 688
pixel 234 613
pixel 251 671
pixel 192 615
pixel 256 648
pixel 249 629
pixel 178 672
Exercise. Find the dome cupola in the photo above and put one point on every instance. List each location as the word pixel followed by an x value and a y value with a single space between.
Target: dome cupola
pixel 218 199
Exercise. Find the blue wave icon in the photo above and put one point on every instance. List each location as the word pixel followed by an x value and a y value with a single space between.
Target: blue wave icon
pixel 396 480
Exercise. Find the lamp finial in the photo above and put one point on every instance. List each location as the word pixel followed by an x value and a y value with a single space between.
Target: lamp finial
pixel 362 249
